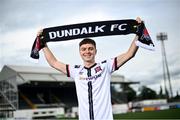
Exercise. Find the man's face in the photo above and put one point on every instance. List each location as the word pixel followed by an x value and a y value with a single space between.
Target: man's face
pixel 87 52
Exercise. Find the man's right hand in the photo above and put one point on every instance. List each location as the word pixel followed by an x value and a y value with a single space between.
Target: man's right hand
pixel 140 27
pixel 41 38
pixel 138 19
pixel 39 33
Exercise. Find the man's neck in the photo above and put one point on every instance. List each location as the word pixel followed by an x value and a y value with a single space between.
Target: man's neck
pixel 89 64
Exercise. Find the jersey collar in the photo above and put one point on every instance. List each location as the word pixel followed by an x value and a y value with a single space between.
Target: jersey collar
pixel 91 66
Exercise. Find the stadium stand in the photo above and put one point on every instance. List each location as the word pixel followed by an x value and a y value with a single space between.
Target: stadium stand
pixel 38 92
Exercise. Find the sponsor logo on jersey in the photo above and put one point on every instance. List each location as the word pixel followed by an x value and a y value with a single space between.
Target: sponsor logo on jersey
pixel 94 77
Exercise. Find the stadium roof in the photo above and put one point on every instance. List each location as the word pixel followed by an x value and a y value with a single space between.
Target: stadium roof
pixel 27 74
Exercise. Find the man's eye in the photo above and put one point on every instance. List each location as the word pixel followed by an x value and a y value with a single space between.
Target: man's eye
pixel 91 48
pixel 83 49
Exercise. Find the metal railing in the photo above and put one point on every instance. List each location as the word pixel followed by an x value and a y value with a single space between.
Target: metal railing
pixel 8 97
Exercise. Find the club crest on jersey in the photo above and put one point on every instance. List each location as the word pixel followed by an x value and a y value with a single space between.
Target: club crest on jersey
pixel 97 69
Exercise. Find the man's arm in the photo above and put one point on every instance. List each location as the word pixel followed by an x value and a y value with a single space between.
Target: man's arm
pixel 51 59
pixel 123 58
pixel 53 62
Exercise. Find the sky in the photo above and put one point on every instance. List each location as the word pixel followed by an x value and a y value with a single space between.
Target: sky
pixel 21 19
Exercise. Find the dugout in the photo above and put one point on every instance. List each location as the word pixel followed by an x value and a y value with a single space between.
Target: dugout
pixel 29 87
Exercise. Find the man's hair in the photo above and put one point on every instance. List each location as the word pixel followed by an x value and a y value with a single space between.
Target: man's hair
pixel 87 41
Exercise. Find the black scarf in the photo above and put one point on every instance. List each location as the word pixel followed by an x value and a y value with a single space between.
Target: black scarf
pixel 92 29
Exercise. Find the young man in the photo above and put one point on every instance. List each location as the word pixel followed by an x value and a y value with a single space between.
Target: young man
pixel 92 79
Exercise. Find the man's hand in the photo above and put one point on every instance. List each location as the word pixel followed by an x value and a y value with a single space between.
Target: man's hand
pixel 138 19
pixel 39 33
pixel 41 38
pixel 140 27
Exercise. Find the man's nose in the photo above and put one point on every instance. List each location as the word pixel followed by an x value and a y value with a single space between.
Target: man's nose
pixel 87 51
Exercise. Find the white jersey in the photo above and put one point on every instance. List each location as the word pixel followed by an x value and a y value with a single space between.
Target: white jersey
pixel 93 89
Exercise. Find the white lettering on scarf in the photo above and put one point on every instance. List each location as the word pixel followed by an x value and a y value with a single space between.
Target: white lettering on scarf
pixel 76 31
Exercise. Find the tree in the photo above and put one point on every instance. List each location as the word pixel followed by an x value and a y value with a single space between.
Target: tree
pixel 161 95
pixel 126 94
pixel 130 93
pixel 147 93
pixel 160 92
pixel 176 98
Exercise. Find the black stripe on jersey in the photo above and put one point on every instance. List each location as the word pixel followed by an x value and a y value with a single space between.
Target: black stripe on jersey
pixel 115 63
pixel 67 70
pixel 88 72
pixel 91 113
pixel 90 96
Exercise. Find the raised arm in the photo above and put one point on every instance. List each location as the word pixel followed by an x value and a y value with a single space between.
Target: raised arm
pixel 123 58
pixel 51 59
pixel 53 62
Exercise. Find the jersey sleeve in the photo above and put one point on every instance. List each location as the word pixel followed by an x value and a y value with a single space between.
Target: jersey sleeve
pixel 112 64
pixel 72 70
